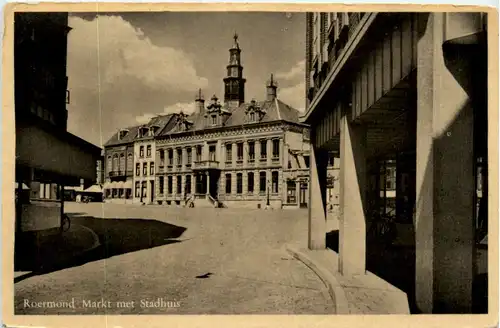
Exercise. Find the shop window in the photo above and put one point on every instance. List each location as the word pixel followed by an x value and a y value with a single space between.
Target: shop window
pixel 188 184
pixel 250 182
pixel 251 150
pixel 228 183
pixel 276 148
pixel 263 149
pixel 179 184
pixel 239 183
pixel 160 185
pixel 169 184
pixel 291 194
pixel 275 182
pixel 262 182
pixel 229 153
pixel 239 150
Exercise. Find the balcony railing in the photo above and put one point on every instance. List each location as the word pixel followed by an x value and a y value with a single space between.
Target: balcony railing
pixel 208 164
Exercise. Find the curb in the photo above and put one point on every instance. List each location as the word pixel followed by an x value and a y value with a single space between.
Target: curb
pixel 334 288
pixel 96 243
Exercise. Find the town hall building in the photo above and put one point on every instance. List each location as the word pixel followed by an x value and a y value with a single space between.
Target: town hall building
pixel 226 153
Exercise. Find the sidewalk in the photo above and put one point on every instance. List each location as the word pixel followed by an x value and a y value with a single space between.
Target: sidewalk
pixel 357 294
pixel 53 251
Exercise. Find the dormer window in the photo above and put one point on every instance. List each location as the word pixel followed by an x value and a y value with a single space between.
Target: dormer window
pixel 214 111
pixel 183 123
pixel 143 131
pixel 254 112
pixel 153 129
pixel 122 134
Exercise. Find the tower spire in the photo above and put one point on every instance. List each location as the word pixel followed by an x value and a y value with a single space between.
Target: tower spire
pixel 234 83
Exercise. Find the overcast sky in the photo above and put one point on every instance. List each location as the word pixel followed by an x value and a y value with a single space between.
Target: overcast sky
pixel 124 68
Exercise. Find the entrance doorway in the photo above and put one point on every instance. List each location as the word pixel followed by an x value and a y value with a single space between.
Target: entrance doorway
pixel 302 195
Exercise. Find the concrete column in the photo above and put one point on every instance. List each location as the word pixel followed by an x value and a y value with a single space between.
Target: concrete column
pixel 281 150
pixel 444 227
pixel 245 182
pixel 269 146
pixel 208 183
pixel 245 152
pixel 317 194
pixel 353 174
pixel 183 185
pixel 204 154
pixel 234 154
pixel 174 185
pixel 257 151
pixel 256 186
pixel 175 158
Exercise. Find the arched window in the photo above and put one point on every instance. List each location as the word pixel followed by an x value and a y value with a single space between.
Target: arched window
pixel 115 163
pixel 130 162
pixel 122 163
pixel 109 165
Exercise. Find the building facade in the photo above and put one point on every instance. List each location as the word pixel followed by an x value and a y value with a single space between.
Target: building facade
pixel 47 156
pixel 234 154
pixel 404 93
pixel 130 162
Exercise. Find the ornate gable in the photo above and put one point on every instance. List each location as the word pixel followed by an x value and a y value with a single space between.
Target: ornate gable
pixel 254 112
pixel 183 124
pixel 215 115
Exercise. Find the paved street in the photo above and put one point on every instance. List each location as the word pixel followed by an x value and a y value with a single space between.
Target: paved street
pixel 182 261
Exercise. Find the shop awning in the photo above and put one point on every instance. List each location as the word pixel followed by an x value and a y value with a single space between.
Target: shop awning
pixel 127 184
pixel 119 185
pixel 94 188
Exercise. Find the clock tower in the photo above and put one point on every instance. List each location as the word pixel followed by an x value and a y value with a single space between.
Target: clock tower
pixel 234 83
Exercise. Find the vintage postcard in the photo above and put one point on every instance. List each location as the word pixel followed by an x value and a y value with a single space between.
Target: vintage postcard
pixel 309 165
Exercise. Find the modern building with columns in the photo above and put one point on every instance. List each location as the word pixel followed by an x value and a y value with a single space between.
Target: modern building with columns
pixel 234 153
pixel 411 89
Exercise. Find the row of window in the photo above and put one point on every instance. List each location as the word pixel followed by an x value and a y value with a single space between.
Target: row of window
pixel 148 151
pixel 145 169
pixel 251 181
pixel 251 150
pixel 189 155
pixel 170 184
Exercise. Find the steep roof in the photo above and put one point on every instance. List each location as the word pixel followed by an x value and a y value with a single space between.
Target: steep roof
pixel 163 122
pixel 276 111
pixel 128 138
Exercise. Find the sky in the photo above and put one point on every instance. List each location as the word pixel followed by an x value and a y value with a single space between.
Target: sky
pixel 124 68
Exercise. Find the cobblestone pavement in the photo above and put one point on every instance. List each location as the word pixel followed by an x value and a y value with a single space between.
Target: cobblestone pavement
pixel 227 261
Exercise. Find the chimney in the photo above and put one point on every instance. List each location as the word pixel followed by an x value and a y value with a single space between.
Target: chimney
pixel 199 103
pixel 271 88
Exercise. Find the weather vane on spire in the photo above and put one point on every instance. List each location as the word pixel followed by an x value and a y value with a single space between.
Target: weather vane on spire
pixel 235 37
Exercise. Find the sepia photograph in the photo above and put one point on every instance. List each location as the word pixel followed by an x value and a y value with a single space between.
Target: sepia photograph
pixel 251 162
